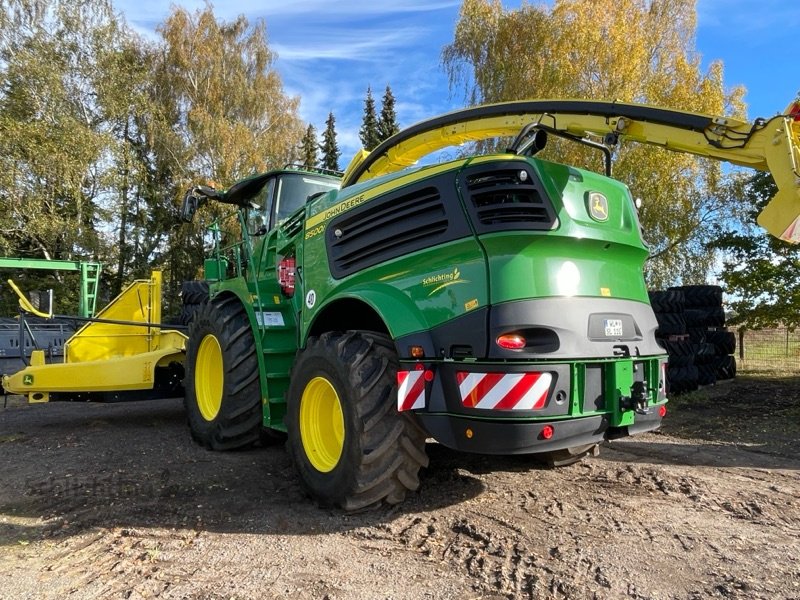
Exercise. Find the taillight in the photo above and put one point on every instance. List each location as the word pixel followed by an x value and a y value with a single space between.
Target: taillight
pixel 511 341
pixel 286 273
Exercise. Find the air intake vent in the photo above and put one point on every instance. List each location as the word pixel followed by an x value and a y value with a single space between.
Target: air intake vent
pixel 504 198
pixel 391 229
pixel 394 225
pixel 292 226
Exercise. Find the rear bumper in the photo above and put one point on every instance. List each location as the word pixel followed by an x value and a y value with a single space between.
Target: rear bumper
pixel 526 407
pixel 526 437
pixel 509 437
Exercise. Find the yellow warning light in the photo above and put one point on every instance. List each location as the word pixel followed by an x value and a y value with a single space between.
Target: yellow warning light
pixel 468 433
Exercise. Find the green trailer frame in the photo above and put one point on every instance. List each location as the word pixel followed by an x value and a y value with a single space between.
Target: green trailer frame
pixel 89 273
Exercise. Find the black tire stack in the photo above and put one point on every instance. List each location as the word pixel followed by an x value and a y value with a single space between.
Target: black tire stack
pixel 725 344
pixel 691 327
pixel 714 344
pixel 669 306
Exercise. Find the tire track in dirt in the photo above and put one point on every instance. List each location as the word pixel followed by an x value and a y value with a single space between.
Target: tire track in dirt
pixel 115 501
pixel 566 538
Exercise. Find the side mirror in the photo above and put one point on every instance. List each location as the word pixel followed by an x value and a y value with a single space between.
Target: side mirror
pixel 189 206
pixel 535 143
pixel 194 199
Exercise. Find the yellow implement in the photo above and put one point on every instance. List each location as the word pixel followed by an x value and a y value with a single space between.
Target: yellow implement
pixel 119 351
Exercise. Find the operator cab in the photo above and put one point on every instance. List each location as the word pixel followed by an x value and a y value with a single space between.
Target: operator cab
pixel 282 193
pixel 267 198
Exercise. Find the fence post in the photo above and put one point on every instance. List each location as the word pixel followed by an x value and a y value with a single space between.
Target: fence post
pixel 741 343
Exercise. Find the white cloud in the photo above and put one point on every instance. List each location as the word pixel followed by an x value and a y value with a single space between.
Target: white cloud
pixel 322 10
pixel 346 46
pixel 330 10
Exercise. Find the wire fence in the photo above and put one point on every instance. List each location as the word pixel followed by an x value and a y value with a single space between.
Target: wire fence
pixel 765 350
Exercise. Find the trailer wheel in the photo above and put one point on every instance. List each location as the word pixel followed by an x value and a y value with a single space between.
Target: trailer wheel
pixel 223 396
pixel 349 444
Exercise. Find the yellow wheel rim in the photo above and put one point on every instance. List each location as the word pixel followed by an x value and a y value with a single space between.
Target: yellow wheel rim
pixel 321 424
pixel 208 377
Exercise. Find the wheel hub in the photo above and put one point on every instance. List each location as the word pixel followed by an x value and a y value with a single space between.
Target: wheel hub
pixel 321 424
pixel 209 377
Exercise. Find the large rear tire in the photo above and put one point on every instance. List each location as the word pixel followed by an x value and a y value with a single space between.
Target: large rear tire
pixel 223 395
pixel 350 445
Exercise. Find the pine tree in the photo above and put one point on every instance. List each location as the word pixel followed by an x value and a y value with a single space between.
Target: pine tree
pixel 329 147
pixel 387 124
pixel 308 148
pixel 369 128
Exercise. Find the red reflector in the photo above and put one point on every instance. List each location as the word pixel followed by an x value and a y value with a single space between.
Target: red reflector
pixel 511 341
pixel 286 272
pixel 428 376
pixel 547 432
pixel 662 411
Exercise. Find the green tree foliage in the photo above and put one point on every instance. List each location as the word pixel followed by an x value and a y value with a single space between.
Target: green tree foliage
pixel 138 185
pixel 222 115
pixel 368 133
pixel 330 149
pixel 308 148
pixel 52 130
pixel 101 132
pixel 387 123
pixel 56 135
pixel 628 50
pixel 227 99
pixel 759 271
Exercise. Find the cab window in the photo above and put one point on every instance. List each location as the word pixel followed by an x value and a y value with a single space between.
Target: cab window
pixel 293 189
pixel 258 218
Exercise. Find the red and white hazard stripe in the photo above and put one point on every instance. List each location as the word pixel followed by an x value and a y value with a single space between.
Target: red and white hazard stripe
pixel 504 391
pixel 410 390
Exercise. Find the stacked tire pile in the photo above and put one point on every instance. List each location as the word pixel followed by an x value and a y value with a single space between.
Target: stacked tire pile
pixel 669 306
pixel 691 327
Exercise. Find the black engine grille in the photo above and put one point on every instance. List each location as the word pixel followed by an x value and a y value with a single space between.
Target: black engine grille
pixel 499 199
pixel 393 226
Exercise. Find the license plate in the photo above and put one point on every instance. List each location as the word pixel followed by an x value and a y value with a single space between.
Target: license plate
pixel 613 327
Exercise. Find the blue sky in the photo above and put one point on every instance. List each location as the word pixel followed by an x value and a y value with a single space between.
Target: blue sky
pixel 329 52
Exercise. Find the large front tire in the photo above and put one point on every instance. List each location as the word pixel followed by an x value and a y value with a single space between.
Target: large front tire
pixel 350 445
pixel 223 395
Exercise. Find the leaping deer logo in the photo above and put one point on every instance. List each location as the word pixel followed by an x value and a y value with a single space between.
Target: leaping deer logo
pixel 598 207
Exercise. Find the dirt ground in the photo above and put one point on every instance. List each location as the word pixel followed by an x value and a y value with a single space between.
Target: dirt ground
pixel 115 501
